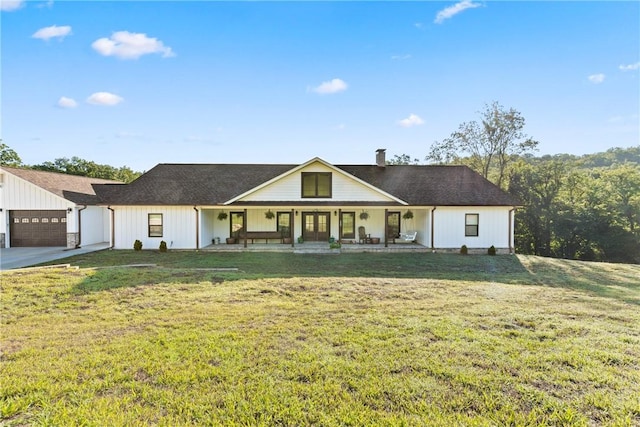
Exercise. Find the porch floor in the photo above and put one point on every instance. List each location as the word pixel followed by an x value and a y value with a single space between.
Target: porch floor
pixel 317 247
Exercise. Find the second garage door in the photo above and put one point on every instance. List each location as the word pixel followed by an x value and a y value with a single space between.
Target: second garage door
pixel 38 228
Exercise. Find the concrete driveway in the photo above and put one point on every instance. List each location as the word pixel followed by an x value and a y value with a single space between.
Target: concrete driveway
pixel 11 258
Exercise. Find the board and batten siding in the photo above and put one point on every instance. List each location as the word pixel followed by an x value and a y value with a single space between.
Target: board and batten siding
pixel 132 223
pixel 19 194
pixel 343 188
pixel 493 227
pixel 95 225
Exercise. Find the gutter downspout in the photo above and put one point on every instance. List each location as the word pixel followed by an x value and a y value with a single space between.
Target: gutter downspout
pixel 511 214
pixel 113 228
pixel 433 216
pixel 80 226
pixel 197 227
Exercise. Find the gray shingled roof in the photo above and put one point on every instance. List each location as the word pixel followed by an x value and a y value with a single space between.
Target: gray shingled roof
pixel 76 189
pixel 213 184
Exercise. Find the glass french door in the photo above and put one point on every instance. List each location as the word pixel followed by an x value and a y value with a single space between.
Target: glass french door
pixel 393 224
pixel 316 226
pixel 348 225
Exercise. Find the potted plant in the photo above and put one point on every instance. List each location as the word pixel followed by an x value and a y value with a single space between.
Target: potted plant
pixel 222 216
pixel 408 214
pixel 364 215
pixel 269 215
pixel 235 233
pixel 286 235
pixel 300 239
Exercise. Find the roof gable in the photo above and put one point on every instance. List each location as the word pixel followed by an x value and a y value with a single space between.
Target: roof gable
pixel 287 186
pixel 74 188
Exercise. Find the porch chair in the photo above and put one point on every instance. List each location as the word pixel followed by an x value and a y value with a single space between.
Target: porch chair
pixel 363 237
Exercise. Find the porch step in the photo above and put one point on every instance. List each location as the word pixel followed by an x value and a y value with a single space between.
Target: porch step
pixel 317 251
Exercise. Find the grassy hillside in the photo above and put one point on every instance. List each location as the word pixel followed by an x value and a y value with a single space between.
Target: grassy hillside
pixel 520 340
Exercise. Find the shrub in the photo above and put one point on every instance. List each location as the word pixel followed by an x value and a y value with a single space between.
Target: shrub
pixel 491 250
pixel 137 245
pixel 464 250
pixel 335 245
pixel 163 246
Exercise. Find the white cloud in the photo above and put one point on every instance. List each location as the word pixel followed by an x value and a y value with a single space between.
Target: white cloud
pixel 104 98
pixel 65 102
pixel 332 86
pixel 630 67
pixel 451 11
pixel 412 120
pixel 400 57
pixel 47 33
pixel 126 45
pixel 596 78
pixel 10 5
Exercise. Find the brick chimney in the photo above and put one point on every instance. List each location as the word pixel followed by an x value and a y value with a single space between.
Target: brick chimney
pixel 381 160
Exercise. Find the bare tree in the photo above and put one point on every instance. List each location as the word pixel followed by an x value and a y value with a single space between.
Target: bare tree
pixel 490 143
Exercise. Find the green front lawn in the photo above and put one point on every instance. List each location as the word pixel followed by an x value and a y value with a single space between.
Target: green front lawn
pixel 389 339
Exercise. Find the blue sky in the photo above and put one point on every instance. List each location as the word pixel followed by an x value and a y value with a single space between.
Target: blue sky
pixel 141 83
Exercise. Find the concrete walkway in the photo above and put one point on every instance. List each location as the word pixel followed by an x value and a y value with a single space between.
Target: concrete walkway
pixel 11 258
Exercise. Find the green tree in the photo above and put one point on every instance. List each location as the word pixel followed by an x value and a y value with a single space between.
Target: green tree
pixel 537 187
pixel 8 157
pixel 82 167
pixel 493 142
pixel 403 159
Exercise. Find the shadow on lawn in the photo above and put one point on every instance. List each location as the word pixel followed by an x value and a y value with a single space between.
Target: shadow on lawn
pixel 117 277
pixel 614 281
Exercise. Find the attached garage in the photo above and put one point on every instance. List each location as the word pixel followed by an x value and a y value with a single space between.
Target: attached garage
pixel 38 228
pixel 39 208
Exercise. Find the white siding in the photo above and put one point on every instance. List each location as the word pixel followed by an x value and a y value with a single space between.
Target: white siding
pixel 344 188
pixel 18 194
pixel 95 225
pixel 131 223
pixel 493 227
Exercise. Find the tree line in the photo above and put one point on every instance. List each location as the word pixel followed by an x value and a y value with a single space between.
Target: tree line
pixel 73 166
pixel 576 207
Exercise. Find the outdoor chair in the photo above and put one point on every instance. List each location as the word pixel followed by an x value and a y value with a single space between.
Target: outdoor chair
pixel 363 237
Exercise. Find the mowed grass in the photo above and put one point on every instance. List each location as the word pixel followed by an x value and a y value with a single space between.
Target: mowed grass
pixel 518 341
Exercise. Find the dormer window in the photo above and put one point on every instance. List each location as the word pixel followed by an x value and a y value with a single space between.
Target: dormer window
pixel 316 184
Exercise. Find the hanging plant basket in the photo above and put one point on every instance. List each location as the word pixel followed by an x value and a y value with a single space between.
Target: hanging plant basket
pixel 364 215
pixel 222 216
pixel 408 215
pixel 269 215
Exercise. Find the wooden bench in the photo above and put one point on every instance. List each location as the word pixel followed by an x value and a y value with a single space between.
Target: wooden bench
pixel 266 235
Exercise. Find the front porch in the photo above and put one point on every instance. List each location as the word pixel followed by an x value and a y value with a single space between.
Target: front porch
pixel 317 247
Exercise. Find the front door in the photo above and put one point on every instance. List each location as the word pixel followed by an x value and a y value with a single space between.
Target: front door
pixel 316 226
pixel 393 224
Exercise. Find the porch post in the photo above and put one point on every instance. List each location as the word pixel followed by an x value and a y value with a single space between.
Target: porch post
pixel 244 231
pixel 386 228
pixel 291 231
pixel 339 224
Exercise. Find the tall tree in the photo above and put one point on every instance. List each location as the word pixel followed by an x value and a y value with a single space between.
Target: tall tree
pixel 8 157
pixel 492 142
